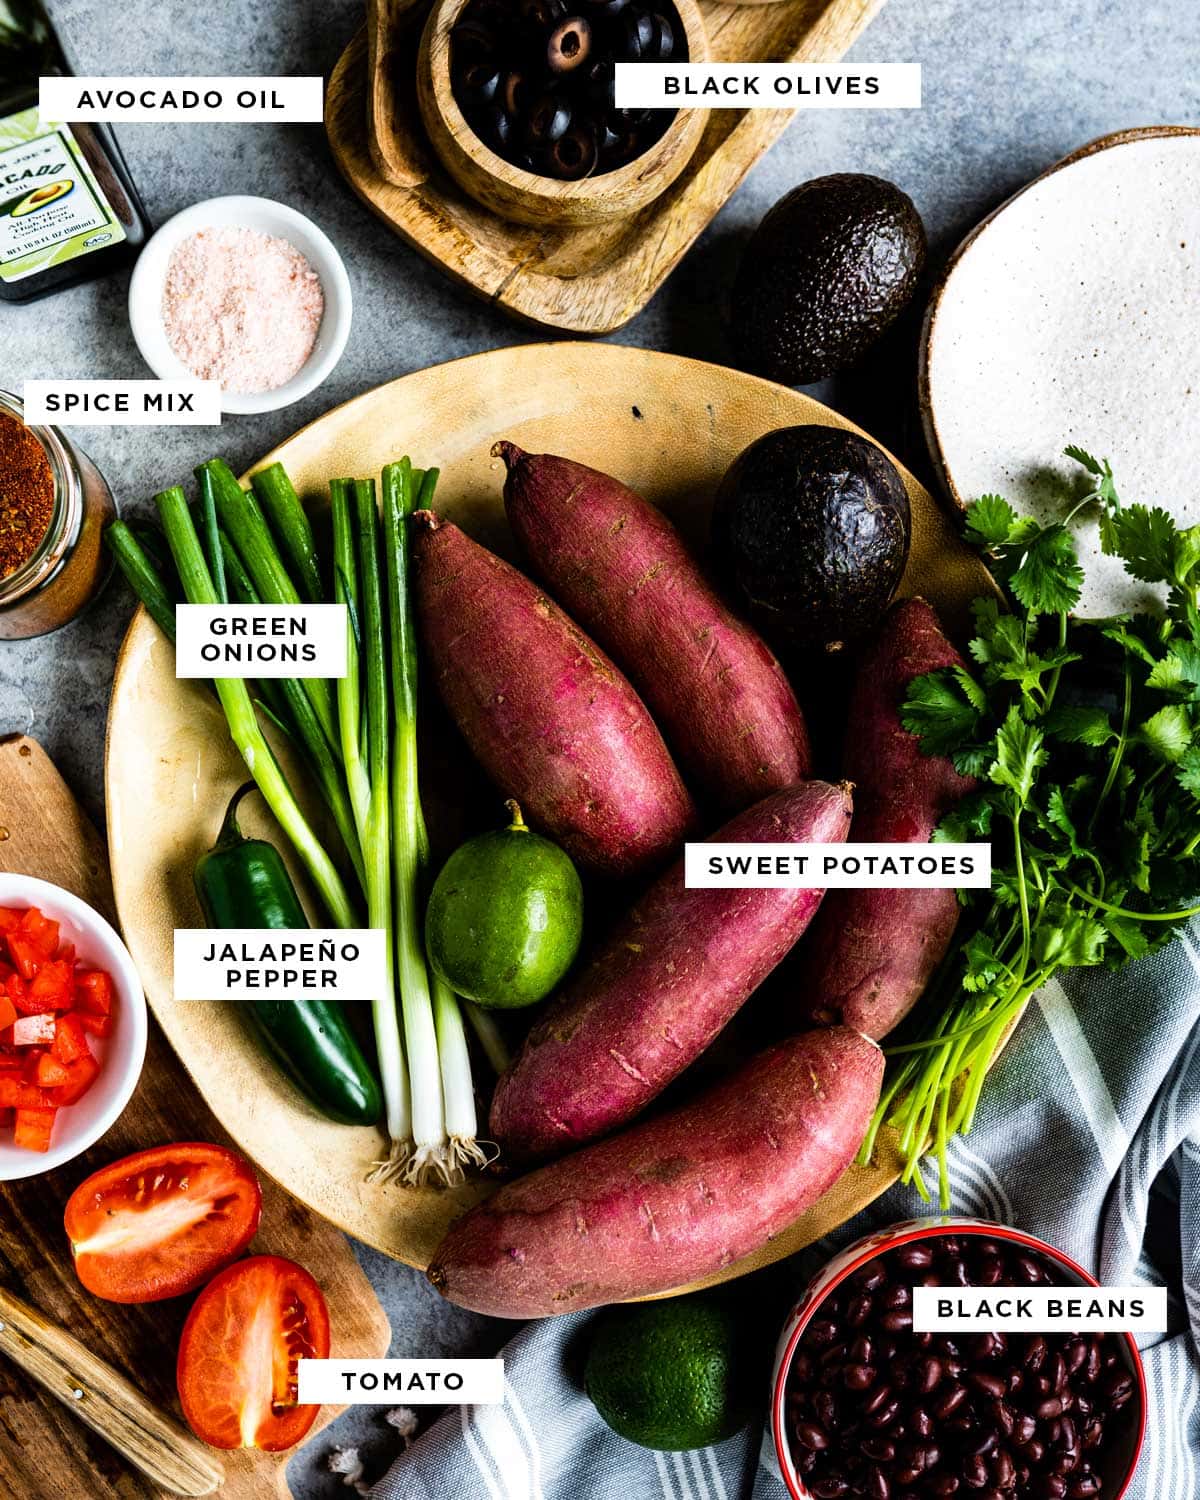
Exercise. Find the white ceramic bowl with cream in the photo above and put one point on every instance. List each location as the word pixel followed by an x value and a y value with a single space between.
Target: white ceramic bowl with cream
pixel 80 1125
pixel 267 217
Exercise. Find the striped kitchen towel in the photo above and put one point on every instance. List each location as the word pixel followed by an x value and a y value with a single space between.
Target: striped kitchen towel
pixel 1089 1136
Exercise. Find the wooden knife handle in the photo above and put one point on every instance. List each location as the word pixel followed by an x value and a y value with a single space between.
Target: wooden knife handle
pixel 163 1450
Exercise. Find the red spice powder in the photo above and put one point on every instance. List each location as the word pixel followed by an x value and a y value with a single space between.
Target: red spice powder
pixel 26 494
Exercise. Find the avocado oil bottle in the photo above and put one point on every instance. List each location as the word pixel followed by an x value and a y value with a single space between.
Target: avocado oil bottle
pixel 69 211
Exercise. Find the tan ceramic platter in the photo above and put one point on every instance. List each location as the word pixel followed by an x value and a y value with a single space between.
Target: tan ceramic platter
pixel 667 426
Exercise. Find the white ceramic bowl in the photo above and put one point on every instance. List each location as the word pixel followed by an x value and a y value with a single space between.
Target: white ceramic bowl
pixel 268 217
pixel 120 1056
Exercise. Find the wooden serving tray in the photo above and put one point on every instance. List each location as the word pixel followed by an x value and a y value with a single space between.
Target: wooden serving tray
pixel 580 280
pixel 46 1453
pixel 669 427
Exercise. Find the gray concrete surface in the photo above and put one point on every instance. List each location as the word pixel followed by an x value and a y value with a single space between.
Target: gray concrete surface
pixel 1008 88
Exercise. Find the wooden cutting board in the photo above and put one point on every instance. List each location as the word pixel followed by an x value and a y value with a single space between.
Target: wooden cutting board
pixel 45 1454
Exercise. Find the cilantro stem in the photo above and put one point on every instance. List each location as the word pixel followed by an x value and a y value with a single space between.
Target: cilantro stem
pixel 1136 916
pixel 1115 764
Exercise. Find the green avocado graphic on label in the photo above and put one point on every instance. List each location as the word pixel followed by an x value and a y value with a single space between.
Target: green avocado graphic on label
pixel 40 197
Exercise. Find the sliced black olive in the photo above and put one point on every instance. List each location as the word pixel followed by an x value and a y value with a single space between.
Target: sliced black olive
pixel 569 45
pixel 631 119
pixel 494 126
pixel 515 92
pixel 573 155
pixel 473 37
pixel 599 83
pixel 662 48
pixel 548 120
pixel 635 34
pixel 607 9
pixel 542 12
pixel 478 82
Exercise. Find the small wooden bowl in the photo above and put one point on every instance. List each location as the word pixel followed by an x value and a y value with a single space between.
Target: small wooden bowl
pixel 528 197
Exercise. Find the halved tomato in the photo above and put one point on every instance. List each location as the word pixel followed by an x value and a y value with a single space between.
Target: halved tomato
pixel 159 1223
pixel 237 1370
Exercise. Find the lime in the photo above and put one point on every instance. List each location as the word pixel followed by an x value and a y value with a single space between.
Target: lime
pixel 505 916
pixel 675 1374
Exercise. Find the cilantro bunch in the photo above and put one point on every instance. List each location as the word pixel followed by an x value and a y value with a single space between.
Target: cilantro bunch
pixel 1084 736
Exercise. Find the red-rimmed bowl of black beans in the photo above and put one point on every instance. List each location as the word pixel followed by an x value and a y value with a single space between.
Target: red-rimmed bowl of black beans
pixel 865 1407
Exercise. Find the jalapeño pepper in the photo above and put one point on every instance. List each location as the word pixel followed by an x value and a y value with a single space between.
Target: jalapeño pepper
pixel 244 882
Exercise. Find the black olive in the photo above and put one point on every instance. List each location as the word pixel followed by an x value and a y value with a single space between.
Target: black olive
pixel 549 119
pixel 663 47
pixel 473 37
pixel 479 82
pixel 515 92
pixel 606 9
pixel 635 35
pixel 573 155
pixel 599 83
pixel 569 45
pixel 631 119
pixel 494 126
pixel 541 12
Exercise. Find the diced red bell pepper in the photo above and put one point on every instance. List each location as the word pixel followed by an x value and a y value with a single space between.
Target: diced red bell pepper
pixel 42 931
pixel 70 1043
pixel 33 1127
pixel 34 1031
pixel 54 986
pixel 8 1012
pixel 15 1093
pixel 97 1025
pixel 6 1117
pixel 94 991
pixel 81 1074
pixel 49 1073
pixel 10 919
pixel 25 954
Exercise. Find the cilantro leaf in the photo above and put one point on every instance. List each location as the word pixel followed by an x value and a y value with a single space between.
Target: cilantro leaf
pixel 1168 733
pixel 1019 756
pixel 936 709
pixel 1049 579
pixel 1144 538
pixel 1187 770
pixel 1080 725
pixel 1068 939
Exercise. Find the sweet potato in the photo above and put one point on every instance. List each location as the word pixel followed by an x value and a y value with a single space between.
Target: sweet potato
pixel 544 711
pixel 674 1198
pixel 660 987
pixel 869 955
pixel 618 566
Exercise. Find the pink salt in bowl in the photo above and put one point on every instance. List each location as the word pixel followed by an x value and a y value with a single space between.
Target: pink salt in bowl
pixel 260 216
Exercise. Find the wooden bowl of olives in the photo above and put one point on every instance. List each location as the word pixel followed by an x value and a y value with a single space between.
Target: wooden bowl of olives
pixel 517 99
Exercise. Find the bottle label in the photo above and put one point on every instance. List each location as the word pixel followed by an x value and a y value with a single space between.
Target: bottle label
pixel 52 209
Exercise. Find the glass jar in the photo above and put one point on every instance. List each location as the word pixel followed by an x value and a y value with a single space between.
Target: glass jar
pixel 70 564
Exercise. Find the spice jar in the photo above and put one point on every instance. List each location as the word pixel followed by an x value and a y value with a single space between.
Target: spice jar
pixel 54 506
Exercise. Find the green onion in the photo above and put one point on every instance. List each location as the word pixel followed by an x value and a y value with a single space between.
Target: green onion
pixel 243 725
pixel 488 1035
pixel 291 525
pixel 143 577
pixel 364 726
pixel 439 1062
pixel 247 528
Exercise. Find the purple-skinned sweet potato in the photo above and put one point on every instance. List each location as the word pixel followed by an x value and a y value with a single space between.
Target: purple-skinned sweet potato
pixel 545 713
pixel 674 1198
pixel 868 956
pixel 659 988
pixel 619 567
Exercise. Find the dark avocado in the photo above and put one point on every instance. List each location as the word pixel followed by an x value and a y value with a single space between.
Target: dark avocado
pixel 40 197
pixel 811 530
pixel 825 273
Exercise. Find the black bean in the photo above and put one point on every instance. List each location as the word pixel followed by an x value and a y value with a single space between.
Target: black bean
pixel 897 1295
pixel 1024 1427
pixel 861 1350
pixel 1051 1407
pixel 885 1414
pixel 921 1422
pixel 896 1321
pixel 832 1487
pixel 1003 1469
pixel 1035 1353
pixel 882 1450
pixel 981 1442
pixel 1115 1383
pixel 858 1377
pixel 929 1375
pixel 1027 1270
pixel 943 1484
pixel 975 1473
pixel 809 1435
pixel 820 1332
pixel 915 1257
pixel 859 1310
pixel 878 1487
pixel 951 1398
pixel 1084 1487
pixel 988 1384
